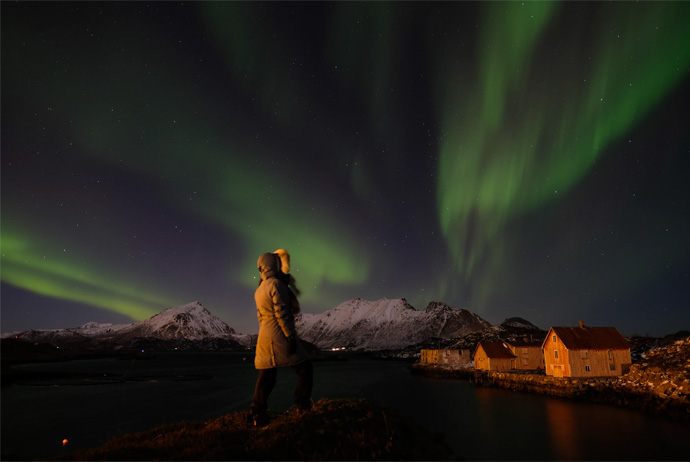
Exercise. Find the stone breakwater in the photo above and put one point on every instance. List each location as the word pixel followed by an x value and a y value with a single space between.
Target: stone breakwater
pixel 650 390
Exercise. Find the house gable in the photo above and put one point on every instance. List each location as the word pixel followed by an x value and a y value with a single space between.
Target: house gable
pixel 493 356
pixel 586 352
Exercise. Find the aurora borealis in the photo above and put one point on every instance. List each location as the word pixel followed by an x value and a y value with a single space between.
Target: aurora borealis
pixel 513 159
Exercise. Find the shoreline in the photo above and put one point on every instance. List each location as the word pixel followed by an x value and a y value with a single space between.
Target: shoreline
pixel 632 391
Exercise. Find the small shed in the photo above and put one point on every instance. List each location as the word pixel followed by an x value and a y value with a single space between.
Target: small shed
pixel 586 352
pixel 445 356
pixel 494 356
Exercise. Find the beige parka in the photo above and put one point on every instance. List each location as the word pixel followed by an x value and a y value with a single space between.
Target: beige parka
pixel 276 320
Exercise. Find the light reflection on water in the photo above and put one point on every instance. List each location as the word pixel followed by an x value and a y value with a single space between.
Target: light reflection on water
pixel 479 423
pixel 564 435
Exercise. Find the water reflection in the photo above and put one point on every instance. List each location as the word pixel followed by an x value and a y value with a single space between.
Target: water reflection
pixel 479 423
pixel 510 423
pixel 564 436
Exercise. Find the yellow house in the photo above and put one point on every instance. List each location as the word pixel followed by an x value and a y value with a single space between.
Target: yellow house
pixel 494 356
pixel 586 352
pixel 503 356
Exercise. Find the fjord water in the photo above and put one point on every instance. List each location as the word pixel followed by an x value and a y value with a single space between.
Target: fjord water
pixel 478 423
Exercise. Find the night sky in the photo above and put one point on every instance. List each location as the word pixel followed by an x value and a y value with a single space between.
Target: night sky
pixel 512 159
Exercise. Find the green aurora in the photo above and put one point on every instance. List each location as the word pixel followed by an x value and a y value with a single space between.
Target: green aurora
pixel 273 130
pixel 572 104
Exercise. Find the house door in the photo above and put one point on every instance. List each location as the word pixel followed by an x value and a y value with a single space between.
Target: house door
pixel 612 364
pixel 557 370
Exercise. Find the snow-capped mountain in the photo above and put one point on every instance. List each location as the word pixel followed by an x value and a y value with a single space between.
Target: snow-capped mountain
pixel 519 323
pixel 385 324
pixel 190 322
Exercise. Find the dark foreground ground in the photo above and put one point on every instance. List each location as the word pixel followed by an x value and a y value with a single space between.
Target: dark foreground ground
pixel 332 430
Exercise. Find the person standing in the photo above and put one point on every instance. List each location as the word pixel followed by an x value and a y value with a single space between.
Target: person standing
pixel 277 344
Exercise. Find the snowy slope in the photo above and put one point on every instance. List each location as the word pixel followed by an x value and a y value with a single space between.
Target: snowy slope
pixel 385 324
pixel 91 329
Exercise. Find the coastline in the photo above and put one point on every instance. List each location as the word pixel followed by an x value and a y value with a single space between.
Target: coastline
pixel 649 390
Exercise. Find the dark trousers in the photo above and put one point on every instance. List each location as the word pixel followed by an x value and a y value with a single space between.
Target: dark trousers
pixel 267 380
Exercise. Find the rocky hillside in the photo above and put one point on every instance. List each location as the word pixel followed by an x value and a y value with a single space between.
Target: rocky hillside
pixel 385 324
pixel 664 370
pixel 509 330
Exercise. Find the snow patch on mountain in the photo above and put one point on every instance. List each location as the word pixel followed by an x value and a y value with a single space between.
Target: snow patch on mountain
pixel 385 324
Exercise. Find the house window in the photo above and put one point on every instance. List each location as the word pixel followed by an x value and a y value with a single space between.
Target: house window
pixel 587 368
pixel 554 339
pixel 612 367
pixel 585 354
pixel 610 354
pixel 555 354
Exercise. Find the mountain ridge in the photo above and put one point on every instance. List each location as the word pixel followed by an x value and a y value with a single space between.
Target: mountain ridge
pixel 384 324
pixel 356 324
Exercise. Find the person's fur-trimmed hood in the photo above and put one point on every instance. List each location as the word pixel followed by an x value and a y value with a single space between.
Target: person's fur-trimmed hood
pixel 269 265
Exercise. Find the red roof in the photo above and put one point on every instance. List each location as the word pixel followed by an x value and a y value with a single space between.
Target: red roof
pixel 591 338
pixel 496 349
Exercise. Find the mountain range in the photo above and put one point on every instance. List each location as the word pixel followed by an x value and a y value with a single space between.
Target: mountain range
pixel 189 326
pixel 385 324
